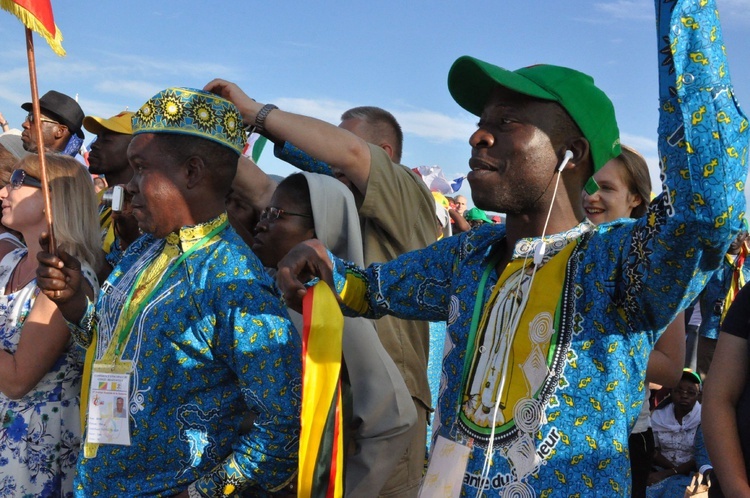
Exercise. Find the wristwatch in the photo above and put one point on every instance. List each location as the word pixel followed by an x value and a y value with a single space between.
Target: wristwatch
pixel 260 118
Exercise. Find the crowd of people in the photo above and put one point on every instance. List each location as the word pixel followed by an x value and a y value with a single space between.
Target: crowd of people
pixel 152 345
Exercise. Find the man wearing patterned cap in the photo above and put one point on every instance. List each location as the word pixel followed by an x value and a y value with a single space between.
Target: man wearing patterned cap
pixel 187 328
pixel 550 319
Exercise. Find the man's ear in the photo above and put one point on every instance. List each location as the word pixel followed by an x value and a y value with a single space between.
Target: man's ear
pixel 581 152
pixel 60 130
pixel 195 171
pixel 581 161
pixel 388 149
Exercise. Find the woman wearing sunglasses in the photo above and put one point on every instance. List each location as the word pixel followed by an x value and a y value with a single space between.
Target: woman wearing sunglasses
pixel 40 369
pixel 11 151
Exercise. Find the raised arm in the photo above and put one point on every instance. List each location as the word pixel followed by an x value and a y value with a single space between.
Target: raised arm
pixel 300 159
pixel 4 126
pixel 325 142
pixel 414 286
pixel 252 185
pixel 703 141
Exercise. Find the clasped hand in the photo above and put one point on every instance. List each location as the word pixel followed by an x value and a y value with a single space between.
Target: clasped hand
pixel 304 262
pixel 59 278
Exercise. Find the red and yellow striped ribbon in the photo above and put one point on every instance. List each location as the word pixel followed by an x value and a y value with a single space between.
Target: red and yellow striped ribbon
pixel 321 447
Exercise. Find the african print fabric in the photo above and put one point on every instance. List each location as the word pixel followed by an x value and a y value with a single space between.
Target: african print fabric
pixel 212 344
pixel 40 435
pixel 187 111
pixel 713 299
pixel 624 282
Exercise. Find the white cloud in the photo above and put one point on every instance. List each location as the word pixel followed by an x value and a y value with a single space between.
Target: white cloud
pixel 627 9
pixel 326 109
pixel 734 10
pixel 142 65
pixel 611 12
pixel 434 126
pixel 105 83
pixel 640 10
pixel 644 145
pixel 423 123
pixel 136 90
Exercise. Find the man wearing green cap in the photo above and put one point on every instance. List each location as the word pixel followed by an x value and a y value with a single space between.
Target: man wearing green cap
pixel 550 319
pixel 187 329
pixel 476 217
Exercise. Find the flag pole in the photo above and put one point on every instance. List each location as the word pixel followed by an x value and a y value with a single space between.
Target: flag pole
pixel 37 113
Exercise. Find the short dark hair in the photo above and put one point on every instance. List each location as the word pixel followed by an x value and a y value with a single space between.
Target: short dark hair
pixel 221 160
pixel 382 126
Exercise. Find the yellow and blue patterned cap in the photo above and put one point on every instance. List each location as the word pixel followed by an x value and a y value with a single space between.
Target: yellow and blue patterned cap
pixel 187 111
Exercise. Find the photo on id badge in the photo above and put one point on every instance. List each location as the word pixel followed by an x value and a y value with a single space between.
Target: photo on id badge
pixel 108 415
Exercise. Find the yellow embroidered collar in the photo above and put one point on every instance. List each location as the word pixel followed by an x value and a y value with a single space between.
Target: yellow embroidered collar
pixel 187 236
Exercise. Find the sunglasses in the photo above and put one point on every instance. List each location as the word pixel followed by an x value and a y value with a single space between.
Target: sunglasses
pixel 273 213
pixel 30 119
pixel 19 177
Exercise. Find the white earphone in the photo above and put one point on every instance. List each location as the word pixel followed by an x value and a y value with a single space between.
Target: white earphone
pixel 567 157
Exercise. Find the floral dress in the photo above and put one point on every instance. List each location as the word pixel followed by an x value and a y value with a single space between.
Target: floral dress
pixel 40 433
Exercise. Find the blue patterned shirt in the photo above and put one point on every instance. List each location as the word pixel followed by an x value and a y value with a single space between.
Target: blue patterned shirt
pixel 621 285
pixel 714 293
pixel 213 344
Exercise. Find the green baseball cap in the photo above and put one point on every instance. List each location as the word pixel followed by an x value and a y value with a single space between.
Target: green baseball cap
pixel 471 82
pixel 475 214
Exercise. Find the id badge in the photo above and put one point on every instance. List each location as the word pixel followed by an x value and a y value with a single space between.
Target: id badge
pixel 445 473
pixel 108 421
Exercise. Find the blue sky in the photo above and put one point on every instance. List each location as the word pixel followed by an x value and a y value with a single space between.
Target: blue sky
pixel 320 58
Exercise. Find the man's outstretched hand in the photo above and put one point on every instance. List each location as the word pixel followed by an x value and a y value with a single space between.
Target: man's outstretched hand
pixel 304 262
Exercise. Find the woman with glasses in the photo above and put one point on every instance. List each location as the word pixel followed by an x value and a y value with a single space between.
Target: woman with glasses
pixel 40 369
pixel 306 206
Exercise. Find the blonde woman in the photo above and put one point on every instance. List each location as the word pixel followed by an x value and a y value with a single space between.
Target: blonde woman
pixel 40 369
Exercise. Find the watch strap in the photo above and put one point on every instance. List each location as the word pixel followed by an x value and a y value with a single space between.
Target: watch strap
pixel 260 118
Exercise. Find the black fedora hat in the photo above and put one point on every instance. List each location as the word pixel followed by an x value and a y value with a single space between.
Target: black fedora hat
pixel 63 108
